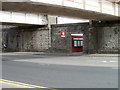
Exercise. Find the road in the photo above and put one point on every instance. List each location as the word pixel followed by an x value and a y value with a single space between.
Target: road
pixel 61 71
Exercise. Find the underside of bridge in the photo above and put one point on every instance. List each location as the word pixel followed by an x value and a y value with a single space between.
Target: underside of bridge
pixel 56 10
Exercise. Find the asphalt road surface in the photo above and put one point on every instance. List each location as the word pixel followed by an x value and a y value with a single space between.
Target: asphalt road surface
pixel 61 71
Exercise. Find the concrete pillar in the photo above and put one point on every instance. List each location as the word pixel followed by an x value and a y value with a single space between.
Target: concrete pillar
pixel 119 40
pixel 0 55
pixel 51 20
pixel 92 39
pixel 0 30
pixel 119 33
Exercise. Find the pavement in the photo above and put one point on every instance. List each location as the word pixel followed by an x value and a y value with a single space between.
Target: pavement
pixel 100 60
pixel 60 54
pixel 84 71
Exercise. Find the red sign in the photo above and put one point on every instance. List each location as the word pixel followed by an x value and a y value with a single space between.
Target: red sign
pixel 62 34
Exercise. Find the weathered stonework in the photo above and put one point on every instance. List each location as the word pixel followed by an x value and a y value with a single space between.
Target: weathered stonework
pixel 98 38
pixel 26 39
pixel 108 39
pixel 63 44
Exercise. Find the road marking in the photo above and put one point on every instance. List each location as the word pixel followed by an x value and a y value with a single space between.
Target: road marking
pixel 104 61
pixel 23 86
pixel 101 56
pixel 109 61
pixel 113 61
pixel 20 84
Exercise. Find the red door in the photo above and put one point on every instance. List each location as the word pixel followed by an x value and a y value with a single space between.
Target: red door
pixel 77 42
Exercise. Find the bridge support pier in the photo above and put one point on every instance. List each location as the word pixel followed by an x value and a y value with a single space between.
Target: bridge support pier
pixel 99 37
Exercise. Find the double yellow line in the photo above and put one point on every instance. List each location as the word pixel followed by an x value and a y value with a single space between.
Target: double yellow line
pixel 19 84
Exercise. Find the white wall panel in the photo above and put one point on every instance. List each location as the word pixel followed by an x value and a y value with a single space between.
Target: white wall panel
pixel 31 18
pixel 92 5
pixel 69 3
pixel 28 18
pixel 1 16
pixel 107 7
pixel 74 3
pixel 66 20
pixel 116 9
pixel 57 2
pixel 42 19
pixel 46 1
pixel 79 3
pixel 5 16
pixel 18 17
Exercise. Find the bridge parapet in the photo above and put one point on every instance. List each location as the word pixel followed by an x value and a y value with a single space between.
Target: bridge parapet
pixel 103 6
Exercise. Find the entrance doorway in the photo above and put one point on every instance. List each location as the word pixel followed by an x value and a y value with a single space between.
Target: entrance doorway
pixel 77 42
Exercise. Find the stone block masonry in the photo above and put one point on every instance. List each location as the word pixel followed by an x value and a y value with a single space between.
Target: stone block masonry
pixel 98 38
pixel 107 39
pixel 25 39
pixel 64 44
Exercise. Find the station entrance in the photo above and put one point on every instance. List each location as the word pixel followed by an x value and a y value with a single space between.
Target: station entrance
pixel 77 42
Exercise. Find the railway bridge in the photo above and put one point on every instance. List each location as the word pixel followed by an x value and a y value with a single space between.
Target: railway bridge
pixel 26 25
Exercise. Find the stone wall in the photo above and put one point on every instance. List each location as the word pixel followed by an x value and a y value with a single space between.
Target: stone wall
pixel 41 40
pixel 10 38
pixel 107 39
pixel 103 38
pixel 98 38
pixel 25 39
pixel 90 40
pixel 64 44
